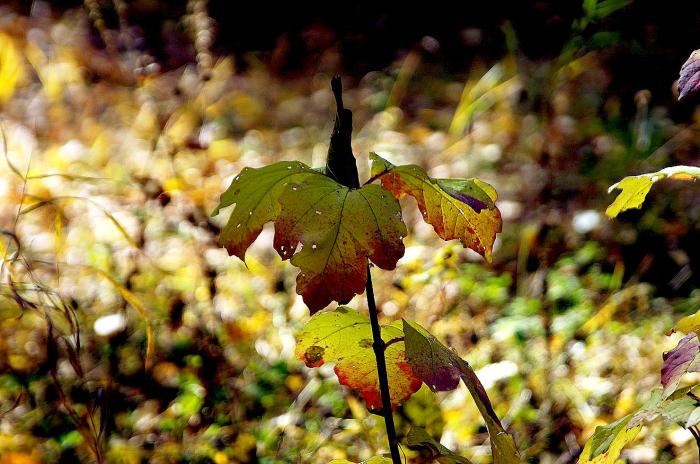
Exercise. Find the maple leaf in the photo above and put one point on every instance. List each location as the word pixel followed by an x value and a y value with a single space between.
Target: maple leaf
pixel 255 193
pixel 344 337
pixel 339 229
pixel 441 369
pixel 634 189
pixel 462 209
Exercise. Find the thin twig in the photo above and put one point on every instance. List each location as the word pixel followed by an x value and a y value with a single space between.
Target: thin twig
pixel 379 346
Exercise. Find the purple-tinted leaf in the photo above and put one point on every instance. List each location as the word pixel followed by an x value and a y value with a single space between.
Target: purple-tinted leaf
pixel 689 81
pixel 440 369
pixel 684 358
pixel 462 209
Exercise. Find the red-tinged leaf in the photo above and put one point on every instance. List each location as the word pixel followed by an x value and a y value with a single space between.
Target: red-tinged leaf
pixel 684 358
pixel 339 229
pixel 418 438
pixel 689 80
pixel 462 209
pixel 440 369
pixel 255 194
pixel 344 337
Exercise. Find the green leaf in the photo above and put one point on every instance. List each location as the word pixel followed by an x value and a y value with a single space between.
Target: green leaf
pixel 440 369
pixel 418 438
pixel 462 209
pixel 606 444
pixel 634 189
pixel 255 193
pixel 344 337
pixel 693 418
pixel 339 229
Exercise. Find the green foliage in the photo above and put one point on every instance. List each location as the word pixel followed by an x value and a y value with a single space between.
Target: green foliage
pixel 254 194
pixel 605 445
pixel 607 441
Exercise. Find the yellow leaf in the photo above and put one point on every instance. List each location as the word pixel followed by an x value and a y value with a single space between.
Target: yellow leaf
pixel 11 68
pixel 634 189
pixel 688 323
pixel 606 444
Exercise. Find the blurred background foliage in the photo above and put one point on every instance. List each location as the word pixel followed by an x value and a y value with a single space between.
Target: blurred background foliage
pixel 128 335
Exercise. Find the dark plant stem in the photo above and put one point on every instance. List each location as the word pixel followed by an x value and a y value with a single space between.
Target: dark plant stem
pixel 694 431
pixel 379 347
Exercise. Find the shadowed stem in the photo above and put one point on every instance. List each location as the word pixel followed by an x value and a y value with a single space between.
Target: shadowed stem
pixel 379 347
pixel 694 431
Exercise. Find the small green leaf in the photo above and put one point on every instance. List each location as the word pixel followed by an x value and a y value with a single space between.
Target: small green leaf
pixel 679 410
pixel 344 337
pixel 440 368
pixel 255 194
pixel 462 209
pixel 339 229
pixel 606 443
pixel 634 189
pixel 418 438
pixel 693 418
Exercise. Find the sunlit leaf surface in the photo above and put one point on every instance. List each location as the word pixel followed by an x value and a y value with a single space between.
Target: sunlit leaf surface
pixel 634 189
pixel 328 230
pixel 338 229
pixel 344 337
pixel 689 323
pixel 255 194
pixel 462 209
pixel 605 445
